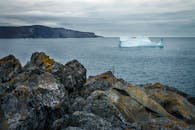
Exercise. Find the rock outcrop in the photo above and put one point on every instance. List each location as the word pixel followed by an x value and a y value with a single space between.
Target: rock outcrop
pixel 45 94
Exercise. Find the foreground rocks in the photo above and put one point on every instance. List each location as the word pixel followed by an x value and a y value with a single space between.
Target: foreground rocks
pixel 45 94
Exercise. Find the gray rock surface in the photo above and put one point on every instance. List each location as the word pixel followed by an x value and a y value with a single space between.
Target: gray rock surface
pixel 45 94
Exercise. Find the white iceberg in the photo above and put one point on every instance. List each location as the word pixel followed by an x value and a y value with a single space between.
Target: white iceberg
pixel 139 42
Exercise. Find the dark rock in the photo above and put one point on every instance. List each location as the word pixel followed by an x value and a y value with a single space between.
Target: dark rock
pixel 45 94
pixel 61 123
pixel 77 104
pixel 99 104
pixel 102 82
pixel 35 102
pixel 73 128
pixel 92 85
pixel 42 61
pixel 72 76
pixel 89 121
pixel 9 66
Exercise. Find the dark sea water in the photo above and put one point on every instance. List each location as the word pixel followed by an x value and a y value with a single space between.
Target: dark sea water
pixel 173 65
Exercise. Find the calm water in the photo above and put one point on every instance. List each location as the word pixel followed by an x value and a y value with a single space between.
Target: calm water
pixel 173 65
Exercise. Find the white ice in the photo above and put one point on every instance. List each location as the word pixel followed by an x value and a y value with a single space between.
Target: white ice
pixel 139 42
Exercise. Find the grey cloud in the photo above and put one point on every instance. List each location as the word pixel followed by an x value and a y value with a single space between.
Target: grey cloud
pixel 110 18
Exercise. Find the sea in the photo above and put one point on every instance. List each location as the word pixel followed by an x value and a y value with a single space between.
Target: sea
pixel 173 65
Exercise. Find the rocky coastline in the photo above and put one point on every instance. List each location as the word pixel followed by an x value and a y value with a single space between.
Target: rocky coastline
pixel 47 95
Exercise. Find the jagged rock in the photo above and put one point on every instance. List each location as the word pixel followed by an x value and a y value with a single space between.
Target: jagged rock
pixel 133 102
pixel 135 105
pixel 102 82
pixel 61 123
pixel 174 103
pixel 73 128
pixel 45 94
pixel 77 104
pixel 35 102
pixel 9 66
pixel 174 90
pixel 93 85
pixel 161 124
pixel 107 76
pixel 89 121
pixel 72 76
pixel 42 61
pixel 99 104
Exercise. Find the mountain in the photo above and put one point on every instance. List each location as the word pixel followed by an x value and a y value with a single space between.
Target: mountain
pixel 39 31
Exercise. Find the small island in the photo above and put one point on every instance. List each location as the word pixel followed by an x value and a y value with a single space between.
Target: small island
pixel 45 94
pixel 39 31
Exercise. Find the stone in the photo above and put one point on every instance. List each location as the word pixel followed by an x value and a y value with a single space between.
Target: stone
pixel 45 94
pixel 89 121
pixel 173 102
pixel 72 76
pixel 41 61
pixel 99 104
pixel 34 102
pixel 9 66
pixel 102 82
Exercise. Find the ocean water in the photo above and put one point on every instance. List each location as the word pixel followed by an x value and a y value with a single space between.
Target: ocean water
pixel 173 65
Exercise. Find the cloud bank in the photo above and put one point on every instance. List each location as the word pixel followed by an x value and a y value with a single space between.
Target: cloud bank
pixel 107 18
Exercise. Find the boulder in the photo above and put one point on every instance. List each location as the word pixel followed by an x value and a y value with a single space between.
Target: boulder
pixel 72 75
pixel 42 61
pixel 34 103
pixel 134 103
pixel 99 104
pixel 89 121
pixel 45 94
pixel 173 102
pixel 102 82
pixel 161 124
pixel 9 66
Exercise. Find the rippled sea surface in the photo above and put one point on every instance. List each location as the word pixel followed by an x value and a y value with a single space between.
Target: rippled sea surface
pixel 173 65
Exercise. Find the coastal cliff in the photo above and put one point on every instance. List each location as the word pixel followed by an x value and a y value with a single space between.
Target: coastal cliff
pixel 38 31
pixel 45 94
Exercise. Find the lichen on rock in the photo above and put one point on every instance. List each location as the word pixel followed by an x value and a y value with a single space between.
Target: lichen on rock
pixel 45 94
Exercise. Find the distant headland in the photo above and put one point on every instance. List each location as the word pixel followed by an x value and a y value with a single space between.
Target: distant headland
pixel 39 31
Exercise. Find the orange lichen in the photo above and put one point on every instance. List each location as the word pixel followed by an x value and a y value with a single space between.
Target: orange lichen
pixel 157 85
pixel 11 59
pixel 46 62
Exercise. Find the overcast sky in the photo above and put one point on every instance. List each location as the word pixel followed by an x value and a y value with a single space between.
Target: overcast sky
pixel 105 17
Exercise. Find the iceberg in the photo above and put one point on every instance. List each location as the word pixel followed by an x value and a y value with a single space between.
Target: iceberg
pixel 139 42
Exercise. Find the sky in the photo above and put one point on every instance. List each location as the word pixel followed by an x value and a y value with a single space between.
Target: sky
pixel 105 17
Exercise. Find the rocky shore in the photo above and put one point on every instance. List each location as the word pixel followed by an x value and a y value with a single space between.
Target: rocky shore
pixel 47 95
